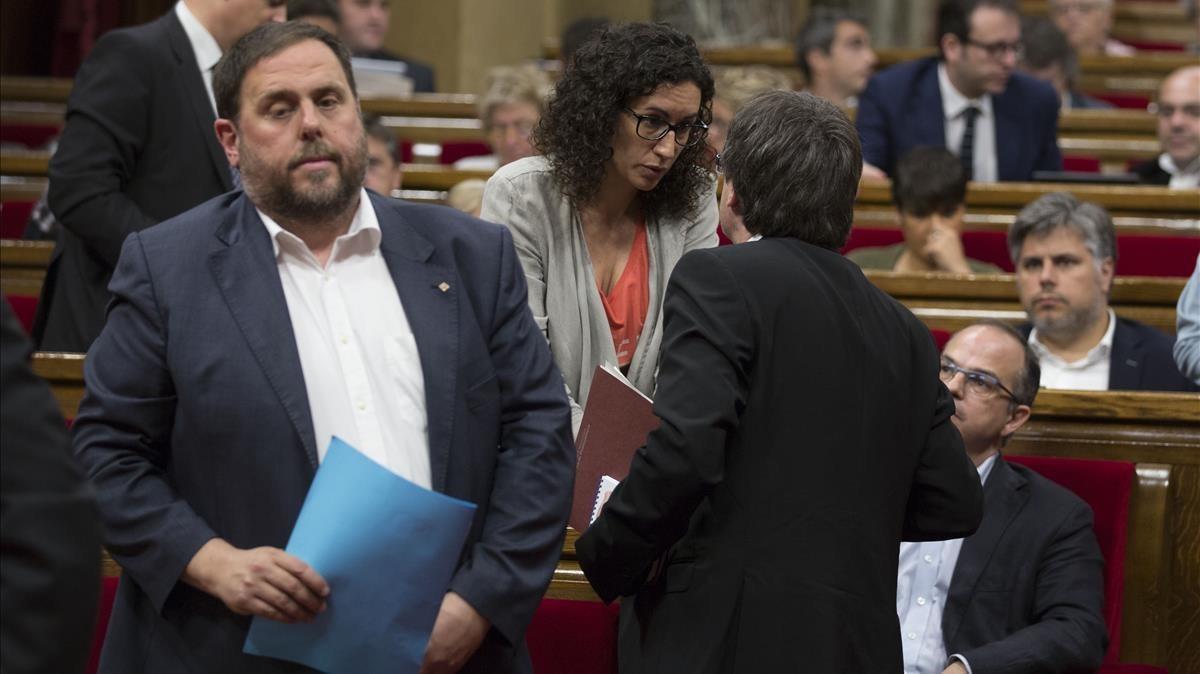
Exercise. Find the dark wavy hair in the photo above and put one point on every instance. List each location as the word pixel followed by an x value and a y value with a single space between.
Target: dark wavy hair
pixel 624 62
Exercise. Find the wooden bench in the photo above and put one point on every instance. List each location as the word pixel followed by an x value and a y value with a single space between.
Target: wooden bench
pixel 1149 300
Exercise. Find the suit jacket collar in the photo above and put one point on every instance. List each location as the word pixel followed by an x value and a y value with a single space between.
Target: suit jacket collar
pixel 190 87
pixel 243 265
pixel 1004 494
pixel 1008 116
pixel 246 273
pixel 1125 360
pixel 429 292
pixel 927 107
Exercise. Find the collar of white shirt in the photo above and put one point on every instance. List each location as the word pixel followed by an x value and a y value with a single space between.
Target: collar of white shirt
pixel 985 468
pixel 954 103
pixel 1187 176
pixel 363 236
pixel 204 45
pixel 1097 354
pixel 756 237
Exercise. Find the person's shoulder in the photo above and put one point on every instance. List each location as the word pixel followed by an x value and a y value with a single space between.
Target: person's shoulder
pixel 1025 90
pixel 1149 336
pixel 528 169
pixel 983 267
pixel 195 224
pixel 149 35
pixel 904 74
pixel 440 225
pixel 876 257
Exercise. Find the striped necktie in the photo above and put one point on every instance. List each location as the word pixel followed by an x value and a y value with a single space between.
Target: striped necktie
pixel 966 151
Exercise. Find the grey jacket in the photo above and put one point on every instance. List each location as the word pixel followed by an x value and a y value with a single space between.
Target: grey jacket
pixel 562 290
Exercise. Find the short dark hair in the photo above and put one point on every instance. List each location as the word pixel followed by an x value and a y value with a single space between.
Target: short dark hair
pixel 373 125
pixel 929 179
pixel 819 31
pixel 954 17
pixel 299 9
pixel 794 161
pixel 1046 45
pixel 263 42
pixel 1029 377
pixel 624 62
pixel 575 34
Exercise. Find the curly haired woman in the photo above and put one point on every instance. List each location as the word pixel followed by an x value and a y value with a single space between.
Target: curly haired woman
pixel 619 194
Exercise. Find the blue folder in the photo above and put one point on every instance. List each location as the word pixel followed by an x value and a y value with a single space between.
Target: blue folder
pixel 388 549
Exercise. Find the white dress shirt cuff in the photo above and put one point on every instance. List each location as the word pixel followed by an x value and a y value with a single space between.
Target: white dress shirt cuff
pixel 961 659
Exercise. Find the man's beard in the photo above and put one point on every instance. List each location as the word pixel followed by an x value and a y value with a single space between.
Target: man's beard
pixel 315 202
pixel 1069 323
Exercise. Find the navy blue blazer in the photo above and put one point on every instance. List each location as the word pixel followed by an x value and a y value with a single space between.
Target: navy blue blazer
pixel 902 109
pixel 196 422
pixel 1141 359
pixel 1027 593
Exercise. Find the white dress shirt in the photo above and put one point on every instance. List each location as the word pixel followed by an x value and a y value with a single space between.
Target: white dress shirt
pixel 922 587
pixel 1089 373
pixel 953 106
pixel 204 46
pixel 1184 178
pixel 360 362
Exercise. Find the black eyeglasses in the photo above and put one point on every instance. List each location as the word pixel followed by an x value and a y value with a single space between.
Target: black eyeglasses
pixel 652 127
pixel 997 50
pixel 980 384
pixel 1167 111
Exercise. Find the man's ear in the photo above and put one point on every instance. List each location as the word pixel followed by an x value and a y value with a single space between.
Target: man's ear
pixel 730 197
pixel 1107 271
pixel 951 47
pixel 1020 415
pixel 227 137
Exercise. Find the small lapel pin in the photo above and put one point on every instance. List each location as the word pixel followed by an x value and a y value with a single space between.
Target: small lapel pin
pixel 443 286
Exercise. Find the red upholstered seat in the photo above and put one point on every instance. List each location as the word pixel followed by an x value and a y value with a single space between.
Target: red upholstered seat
pixel 869 237
pixel 32 136
pixel 1147 255
pixel 1081 164
pixel 1106 487
pixel 940 337
pixel 24 307
pixel 14 216
pixel 573 637
pixel 454 150
pixel 1127 101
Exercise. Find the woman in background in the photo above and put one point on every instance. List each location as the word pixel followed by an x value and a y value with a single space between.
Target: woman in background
pixel 617 196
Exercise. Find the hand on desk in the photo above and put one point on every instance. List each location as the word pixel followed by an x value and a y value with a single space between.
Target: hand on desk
pixel 264 581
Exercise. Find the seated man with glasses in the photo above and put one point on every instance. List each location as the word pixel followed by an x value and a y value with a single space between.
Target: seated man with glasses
pixel 1178 112
pixel 1026 591
pixel 1002 124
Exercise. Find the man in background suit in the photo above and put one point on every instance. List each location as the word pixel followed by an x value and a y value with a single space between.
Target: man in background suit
pixel 1065 254
pixel 364 29
pixel 49 529
pixel 247 332
pixel 1003 125
pixel 804 433
pixel 1178 113
pixel 138 148
pixel 1024 593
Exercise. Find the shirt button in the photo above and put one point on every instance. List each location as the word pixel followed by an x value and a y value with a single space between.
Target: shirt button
pixel 344 339
pixel 362 406
pixel 912 635
pixel 920 601
pixel 929 559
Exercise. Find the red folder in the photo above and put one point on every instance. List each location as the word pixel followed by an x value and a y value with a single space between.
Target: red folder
pixel 615 423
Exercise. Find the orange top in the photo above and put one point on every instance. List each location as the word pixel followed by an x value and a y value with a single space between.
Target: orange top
pixel 627 303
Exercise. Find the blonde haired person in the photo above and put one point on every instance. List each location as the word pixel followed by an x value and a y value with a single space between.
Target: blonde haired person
pixel 736 85
pixel 467 196
pixel 509 107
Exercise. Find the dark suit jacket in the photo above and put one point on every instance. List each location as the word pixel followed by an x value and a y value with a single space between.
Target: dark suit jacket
pixel 421 74
pixel 196 422
pixel 804 434
pixel 1150 173
pixel 49 529
pixel 1141 359
pixel 902 108
pixel 138 148
pixel 1027 594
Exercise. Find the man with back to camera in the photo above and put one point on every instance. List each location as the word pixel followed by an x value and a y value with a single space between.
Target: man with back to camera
pixel 1036 540
pixel 137 148
pixel 1065 254
pixel 364 29
pixel 804 433
pixel 1178 112
pixel 1003 125
pixel 930 193
pixel 833 51
pixel 247 332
